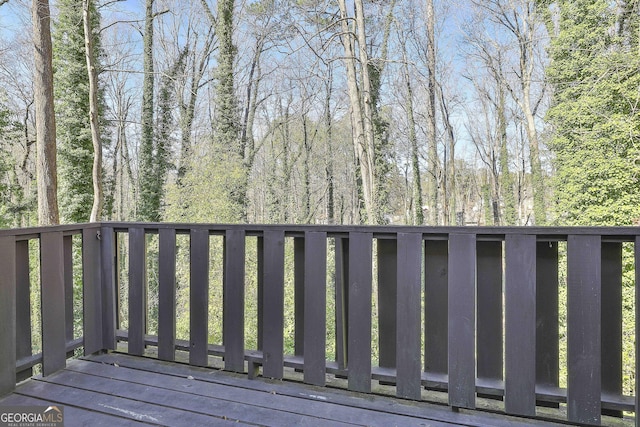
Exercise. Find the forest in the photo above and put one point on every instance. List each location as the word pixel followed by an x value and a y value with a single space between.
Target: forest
pixel 465 112
pixel 420 112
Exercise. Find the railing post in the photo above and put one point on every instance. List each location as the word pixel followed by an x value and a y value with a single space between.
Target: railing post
pixel 260 283
pixel 462 321
pixel 7 314
pixel 54 354
pixel 109 286
pixel 490 318
pixel 137 290
pixel 315 307
pixel 408 348
pixel 636 253
pixel 436 277
pixel 92 291
pixel 23 306
pixel 520 325
pixel 612 321
pixel 233 300
pixel 167 294
pixel 67 244
pixel 342 301
pixel 299 291
pixel 583 329
pixel 199 297
pixel 360 286
pixel 547 333
pixel 387 293
pixel 273 310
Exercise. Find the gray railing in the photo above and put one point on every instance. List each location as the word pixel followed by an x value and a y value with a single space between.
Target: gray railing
pixel 471 312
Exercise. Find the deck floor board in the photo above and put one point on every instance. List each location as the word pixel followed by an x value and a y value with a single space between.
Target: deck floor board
pixel 118 389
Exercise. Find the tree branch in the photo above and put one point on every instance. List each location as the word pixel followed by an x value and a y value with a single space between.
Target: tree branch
pixel 132 21
pixel 3 2
pixel 208 12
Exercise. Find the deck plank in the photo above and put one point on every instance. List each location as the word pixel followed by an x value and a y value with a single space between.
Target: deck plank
pixel 115 405
pixel 120 389
pixel 265 408
pixel 192 399
pixel 422 412
pixel 74 416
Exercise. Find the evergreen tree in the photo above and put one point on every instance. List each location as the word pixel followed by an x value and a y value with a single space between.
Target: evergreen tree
pixel 5 198
pixel 73 128
pixel 227 144
pixel 595 115
pixel 150 188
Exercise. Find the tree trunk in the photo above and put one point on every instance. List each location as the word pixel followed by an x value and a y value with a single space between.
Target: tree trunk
pixel 148 188
pixel 362 132
pixel 450 164
pixel 432 147
pixel 418 215
pixel 331 218
pixel 46 167
pixel 506 182
pixel 96 210
pixel 539 211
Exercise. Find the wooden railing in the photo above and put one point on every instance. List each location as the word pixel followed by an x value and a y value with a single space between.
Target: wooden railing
pixel 472 312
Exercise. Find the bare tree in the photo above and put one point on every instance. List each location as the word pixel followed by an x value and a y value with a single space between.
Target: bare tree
pixel 46 166
pixel 523 25
pixel 432 144
pixel 360 102
pixel 98 198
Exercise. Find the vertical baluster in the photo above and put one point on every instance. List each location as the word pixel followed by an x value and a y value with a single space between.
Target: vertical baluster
pixel 408 273
pixel 67 245
pixel 8 314
pixel 462 320
pixel 612 321
pixel 583 329
pixel 547 334
pixel 273 310
pixel 167 294
pixel 436 279
pixel 199 297
pixel 92 293
pixel 137 290
pixel 233 299
pixel 387 288
pixel 490 345
pixel 342 301
pixel 23 305
pixel 53 302
pixel 360 278
pixel 299 289
pixel 260 283
pixel 636 248
pixel 315 307
pixel 108 254
pixel 520 325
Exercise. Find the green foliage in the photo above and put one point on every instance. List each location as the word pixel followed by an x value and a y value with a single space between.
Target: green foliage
pixel 596 132
pixel 208 192
pixel 150 189
pixel 226 127
pixel 595 118
pixel 14 203
pixel 71 91
pixel 5 219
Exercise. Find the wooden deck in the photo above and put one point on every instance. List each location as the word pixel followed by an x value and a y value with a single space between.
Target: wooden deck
pixel 118 390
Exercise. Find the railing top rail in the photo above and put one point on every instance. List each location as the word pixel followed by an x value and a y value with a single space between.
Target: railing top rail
pixel 27 233
pixel 623 233
pixel 619 234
